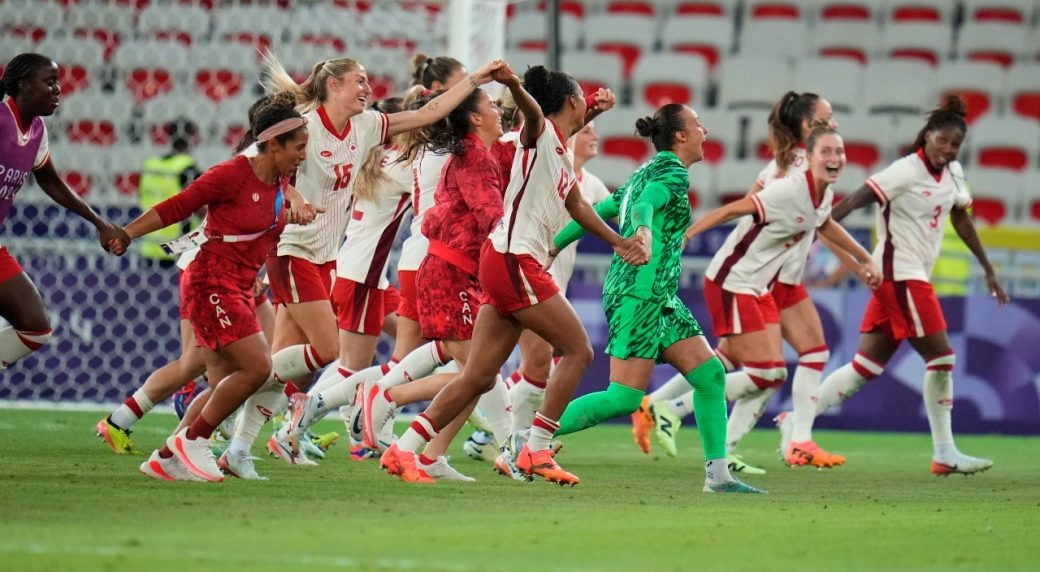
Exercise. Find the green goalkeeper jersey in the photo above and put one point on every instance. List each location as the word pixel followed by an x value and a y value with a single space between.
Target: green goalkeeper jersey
pixel 655 197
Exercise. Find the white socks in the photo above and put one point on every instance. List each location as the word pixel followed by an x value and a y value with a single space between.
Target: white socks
pixel 805 391
pixel 846 381
pixel 671 389
pixel 256 411
pixel 329 377
pixel 132 410
pixel 14 345
pixel 495 405
pixel 416 365
pixel 938 402
pixel 294 361
pixel 681 406
pixel 744 415
pixel 526 397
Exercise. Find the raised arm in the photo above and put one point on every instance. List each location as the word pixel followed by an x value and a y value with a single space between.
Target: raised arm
pixel 861 198
pixel 439 107
pixel 965 228
pixel 534 119
pixel 598 102
pixel 722 215
pixel 113 238
pixel 862 264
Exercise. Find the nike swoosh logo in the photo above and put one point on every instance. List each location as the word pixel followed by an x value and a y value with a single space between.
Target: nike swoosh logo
pixel 357 423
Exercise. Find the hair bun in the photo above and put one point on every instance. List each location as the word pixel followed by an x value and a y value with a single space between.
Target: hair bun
pixel 955 104
pixel 646 127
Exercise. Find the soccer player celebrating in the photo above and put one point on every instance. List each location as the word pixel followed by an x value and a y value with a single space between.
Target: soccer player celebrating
pixel 520 293
pixel 30 92
pixel 647 322
pixel 916 195
pixel 736 284
pixel 244 199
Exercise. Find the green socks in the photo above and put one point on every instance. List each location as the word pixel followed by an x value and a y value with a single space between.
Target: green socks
pixel 709 406
pixel 617 400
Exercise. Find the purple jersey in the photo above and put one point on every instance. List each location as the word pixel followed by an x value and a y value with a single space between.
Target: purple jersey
pixel 22 149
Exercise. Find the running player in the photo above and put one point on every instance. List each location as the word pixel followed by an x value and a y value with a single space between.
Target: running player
pixel 244 198
pixel 647 322
pixel 30 92
pixel 520 293
pixel 916 194
pixel 736 284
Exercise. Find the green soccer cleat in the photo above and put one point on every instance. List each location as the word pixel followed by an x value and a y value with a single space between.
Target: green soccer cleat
pixel 737 465
pixel 116 438
pixel 666 426
pixel 733 487
pixel 325 441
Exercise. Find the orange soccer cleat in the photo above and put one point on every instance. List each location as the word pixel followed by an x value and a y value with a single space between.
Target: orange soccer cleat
pixel 542 464
pixel 809 453
pixel 643 424
pixel 403 464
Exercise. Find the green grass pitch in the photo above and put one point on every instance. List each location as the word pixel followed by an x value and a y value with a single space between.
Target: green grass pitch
pixel 68 503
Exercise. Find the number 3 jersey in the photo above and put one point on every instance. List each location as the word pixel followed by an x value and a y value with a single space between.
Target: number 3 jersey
pixel 326 179
pixel 915 198
pixel 785 211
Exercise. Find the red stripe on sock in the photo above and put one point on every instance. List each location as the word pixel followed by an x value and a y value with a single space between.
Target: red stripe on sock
pixel 30 343
pixel 290 389
pixel 814 350
pixel 386 396
pixel 515 377
pixel 346 372
pixel 420 429
pixel 132 404
pixel 441 356
pixel 868 360
pixel 200 428
pixel 866 373
pixel 545 424
pixel 535 382
pixel 426 460
pixel 385 368
pixel 940 367
pixel 816 365
pixel 761 382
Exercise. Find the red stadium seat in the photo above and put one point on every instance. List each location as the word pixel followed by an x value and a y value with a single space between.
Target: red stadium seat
pixel 935 11
pixel 978 85
pixel 706 8
pixel 772 9
pixel 617 137
pixel 630 7
pixel 108 24
pixel 996 194
pixel 174 22
pixel 624 35
pixel 572 7
pixel 1005 143
pixel 847 10
pixel 845 40
pixel 1024 90
pixel 995 43
pixel 595 70
pixel 222 72
pixel 916 42
pixel 1006 11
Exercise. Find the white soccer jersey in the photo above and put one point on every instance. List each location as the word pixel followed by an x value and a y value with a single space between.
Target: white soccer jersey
pixel 750 259
pixel 792 270
pixel 326 179
pixel 426 173
pixel 593 191
pixel 542 176
pixel 915 201
pixel 365 255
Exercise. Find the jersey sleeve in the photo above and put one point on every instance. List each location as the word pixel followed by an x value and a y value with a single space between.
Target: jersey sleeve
pixel 212 187
pixel 654 196
pixel 774 199
pixel 44 153
pixel 766 175
pixel 891 181
pixel 962 197
pixel 373 128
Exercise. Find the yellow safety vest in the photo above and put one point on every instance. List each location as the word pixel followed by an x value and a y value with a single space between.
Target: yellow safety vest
pixel 952 271
pixel 160 180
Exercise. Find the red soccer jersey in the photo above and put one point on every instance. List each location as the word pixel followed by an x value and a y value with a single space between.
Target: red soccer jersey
pixel 469 201
pixel 504 150
pixel 238 204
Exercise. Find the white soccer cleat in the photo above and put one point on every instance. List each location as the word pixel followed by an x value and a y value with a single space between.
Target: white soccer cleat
pixel 279 446
pixel 296 424
pixel 166 469
pixel 442 471
pixel 960 464
pixel 785 423
pixel 239 465
pixel 381 413
pixel 479 446
pixel 505 465
pixel 196 455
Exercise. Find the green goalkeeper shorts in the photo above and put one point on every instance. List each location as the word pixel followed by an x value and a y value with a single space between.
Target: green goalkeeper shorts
pixel 641 328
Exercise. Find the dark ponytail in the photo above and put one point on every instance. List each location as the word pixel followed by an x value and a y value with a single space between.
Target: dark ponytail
pixel 274 110
pixel 661 128
pixel 550 88
pixel 951 113
pixel 250 135
pixel 785 125
pixel 447 135
pixel 426 70
pixel 19 69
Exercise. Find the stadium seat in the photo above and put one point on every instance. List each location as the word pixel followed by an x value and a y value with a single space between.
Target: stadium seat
pixel 898 86
pixel 224 70
pixel 724 133
pixel 299 58
pixel 82 165
pixel 523 59
pixel 631 7
pixel 701 192
pixel 257 26
pixel 992 42
pixel 838 80
pixel 1007 11
pixel 734 178
pixel 845 39
pixel 151 68
pixel 527 31
pixel 322 26
pixel 1024 90
pixel 124 169
pixel 210 154
pixel 702 8
pixel 980 85
pixel 902 131
pixel 916 41
pixel 186 24
pixel 1031 198
pixel 752 82
pixel 1004 142
pixel 108 24
pixel 29 20
pixel 774 38
pixel 617 133
pixel 229 128
pixel 935 11
pixel 996 194
pixel 97 119
pixel 575 8
pixel 670 78
pixel 709 37
pixel 626 36
pixel 845 10
pixel 773 10
pixel 594 70
pixel 79 64
pixel 613 171
pixel 180 106
pixel 864 140
pixel 756 135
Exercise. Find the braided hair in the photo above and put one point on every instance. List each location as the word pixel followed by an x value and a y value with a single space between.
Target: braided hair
pixel 951 113
pixel 19 69
pixel 661 127
pixel 785 125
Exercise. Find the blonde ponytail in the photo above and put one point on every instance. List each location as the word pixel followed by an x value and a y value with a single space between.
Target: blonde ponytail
pixel 314 90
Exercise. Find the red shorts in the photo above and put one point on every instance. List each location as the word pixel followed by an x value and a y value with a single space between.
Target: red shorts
pixel 907 309
pixel 220 314
pixel 787 295
pixel 391 300
pixel 448 302
pixel 407 307
pixel 295 280
pixel 733 313
pixel 513 282
pixel 9 267
pixel 359 308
